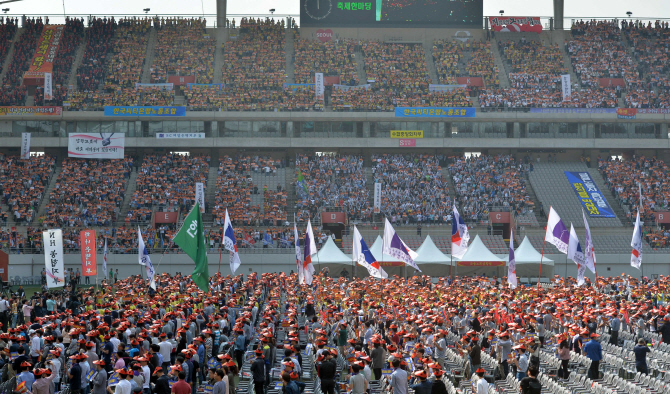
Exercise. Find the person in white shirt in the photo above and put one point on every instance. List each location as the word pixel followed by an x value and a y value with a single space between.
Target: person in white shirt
pixel 124 386
pixel 35 345
pixel 115 342
pixel 166 350
pixel 146 372
pixel 482 386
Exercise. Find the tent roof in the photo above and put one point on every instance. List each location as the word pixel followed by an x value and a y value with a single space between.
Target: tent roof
pixel 429 253
pixel 477 251
pixel 376 250
pixel 527 254
pixel 330 253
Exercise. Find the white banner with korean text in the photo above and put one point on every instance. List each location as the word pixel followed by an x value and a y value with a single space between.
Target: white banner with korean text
pixel 96 145
pixel 53 258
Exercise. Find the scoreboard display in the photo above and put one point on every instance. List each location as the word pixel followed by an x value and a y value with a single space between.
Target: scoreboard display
pixel 391 13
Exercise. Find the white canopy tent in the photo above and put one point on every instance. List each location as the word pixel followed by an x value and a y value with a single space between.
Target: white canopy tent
pixel 431 259
pixel 528 262
pixel 478 259
pixel 332 257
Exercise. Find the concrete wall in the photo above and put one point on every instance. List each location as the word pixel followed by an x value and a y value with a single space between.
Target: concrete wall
pixel 26 265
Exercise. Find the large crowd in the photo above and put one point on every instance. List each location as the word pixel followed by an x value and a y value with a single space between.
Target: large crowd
pixel 183 47
pixel 413 188
pixel 446 55
pixel 87 192
pixel 331 181
pixel 484 183
pixel 13 92
pixel 22 184
pixel 7 31
pixel 334 58
pixel 167 183
pixel 401 334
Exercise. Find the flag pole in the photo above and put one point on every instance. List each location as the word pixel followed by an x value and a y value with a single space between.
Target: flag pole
pixel 544 241
pixel 220 250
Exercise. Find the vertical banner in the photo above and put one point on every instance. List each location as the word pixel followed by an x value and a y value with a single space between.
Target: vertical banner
pixel 567 88
pixel 378 197
pixel 200 195
pixel 89 266
pixel 48 92
pixel 53 258
pixel 25 146
pixel 318 86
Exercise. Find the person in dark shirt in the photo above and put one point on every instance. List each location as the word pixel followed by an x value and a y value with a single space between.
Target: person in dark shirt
pixel 75 375
pixel 530 384
pixel 422 385
pixel 475 323
pixel 327 372
pixel 438 385
pixel 107 351
pixel 665 330
pixel 258 371
pixel 641 351
pixel 162 384
pixel 21 358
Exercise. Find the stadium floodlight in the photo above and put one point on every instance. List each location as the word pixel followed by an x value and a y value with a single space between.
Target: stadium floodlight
pixel 5 10
pixel 146 10
pixel 629 13
pixel 501 12
pixel 272 11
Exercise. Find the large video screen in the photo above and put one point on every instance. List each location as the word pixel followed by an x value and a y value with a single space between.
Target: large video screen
pixel 396 13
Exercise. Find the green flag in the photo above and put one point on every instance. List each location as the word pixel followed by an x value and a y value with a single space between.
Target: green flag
pixel 301 180
pixel 191 239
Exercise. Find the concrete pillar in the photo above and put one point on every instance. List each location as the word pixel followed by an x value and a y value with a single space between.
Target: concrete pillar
pixel 221 13
pixel 289 129
pixel 366 129
pixel 558 14
pixel 517 130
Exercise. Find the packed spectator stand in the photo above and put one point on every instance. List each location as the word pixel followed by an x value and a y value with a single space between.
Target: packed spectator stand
pixel 13 92
pixel 333 58
pixel 23 183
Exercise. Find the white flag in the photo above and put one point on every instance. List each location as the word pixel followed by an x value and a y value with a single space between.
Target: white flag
pixel 459 235
pixel 298 255
pixel 589 252
pixel 556 233
pixel 392 245
pixel 309 251
pixel 231 244
pixel 511 266
pixel 143 256
pixel 364 256
pixel 636 243
pixel 53 258
pixel 575 254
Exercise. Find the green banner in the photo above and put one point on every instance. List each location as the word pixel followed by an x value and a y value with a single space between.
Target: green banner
pixel 191 239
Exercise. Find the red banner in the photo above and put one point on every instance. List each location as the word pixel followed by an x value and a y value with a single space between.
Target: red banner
pixel 330 81
pixel 516 24
pixel 611 82
pixel 626 113
pixel 181 80
pixel 406 142
pixel 333 217
pixel 166 217
pixel 47 46
pixel 470 81
pixel 480 263
pixel 662 217
pixel 499 217
pixel 89 265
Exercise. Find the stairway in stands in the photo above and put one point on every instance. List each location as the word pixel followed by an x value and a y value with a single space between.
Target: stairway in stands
pixel 149 57
pixel 497 59
pixel 432 70
pixel 221 35
pixel 360 67
pixel 130 190
pixel 289 51
pixel 289 175
pixel 10 54
pixel 210 191
pixel 561 39
pixel 78 57
pixel 41 211
pixel 446 175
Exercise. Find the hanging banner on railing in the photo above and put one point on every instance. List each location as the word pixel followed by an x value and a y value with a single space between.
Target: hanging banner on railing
pixel 589 195
pixel 566 87
pixel 516 24
pixel 367 86
pixel 56 111
pixel 89 265
pixel 53 258
pixel 378 197
pixel 96 145
pixel 45 53
pixel 445 88
pixel 318 84
pixel 200 195
pixel 159 86
pixel 25 146
pixel 48 90
pixel 145 111
pixel 206 85
pixel 434 112
pixel 296 86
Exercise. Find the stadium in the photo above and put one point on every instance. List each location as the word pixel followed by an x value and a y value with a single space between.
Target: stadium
pixel 361 163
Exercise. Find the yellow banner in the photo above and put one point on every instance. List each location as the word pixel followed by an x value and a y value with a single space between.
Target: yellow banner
pixel 406 133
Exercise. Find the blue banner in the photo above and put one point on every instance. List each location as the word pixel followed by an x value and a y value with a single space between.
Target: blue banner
pixel 434 112
pixel 145 111
pixel 590 196
pixel 296 86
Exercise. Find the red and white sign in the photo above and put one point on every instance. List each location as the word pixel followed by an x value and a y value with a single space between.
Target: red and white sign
pixel 333 217
pixel 516 24
pixel 662 217
pixel 329 80
pixel 324 35
pixel 182 80
pixel 166 217
pixel 89 265
pixel 406 142
pixel 611 82
pixel 499 217
pixel 470 81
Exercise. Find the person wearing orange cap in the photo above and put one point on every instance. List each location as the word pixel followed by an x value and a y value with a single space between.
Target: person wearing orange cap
pixel 161 384
pixel 100 378
pixel 521 362
pixel 594 352
pixel 258 371
pixel 482 386
pixel 26 375
pixel 423 386
pixel 75 375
